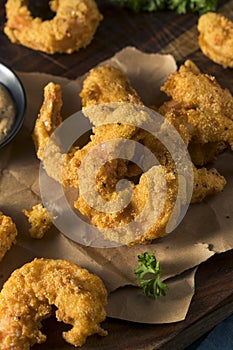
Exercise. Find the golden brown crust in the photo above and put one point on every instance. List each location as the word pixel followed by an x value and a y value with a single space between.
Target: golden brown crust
pixel 199 104
pixel 72 28
pixel 39 219
pixel 106 84
pixel 206 183
pixel 192 89
pixel 49 117
pixel 8 233
pixel 28 295
pixel 216 38
pixel 152 201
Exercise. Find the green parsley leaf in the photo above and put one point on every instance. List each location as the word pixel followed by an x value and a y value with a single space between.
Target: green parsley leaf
pixel 184 6
pixel 203 6
pixel 148 274
pixel 142 5
pixel 180 6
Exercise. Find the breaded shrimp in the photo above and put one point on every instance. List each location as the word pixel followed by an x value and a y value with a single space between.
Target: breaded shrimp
pixel 193 89
pixel 146 216
pixel 73 26
pixel 8 233
pixel 30 292
pixel 202 109
pixel 159 200
pixel 116 169
pixel 49 117
pixel 216 38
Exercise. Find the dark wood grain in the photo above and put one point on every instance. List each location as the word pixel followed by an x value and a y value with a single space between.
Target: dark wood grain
pixel 150 32
pixel 118 29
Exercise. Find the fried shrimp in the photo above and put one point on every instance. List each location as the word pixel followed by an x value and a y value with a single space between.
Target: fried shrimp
pixel 39 219
pixel 30 292
pixel 152 203
pixel 216 38
pixel 73 26
pixel 192 89
pixel 150 207
pixel 8 233
pixel 103 189
pixel 205 111
pixel 49 117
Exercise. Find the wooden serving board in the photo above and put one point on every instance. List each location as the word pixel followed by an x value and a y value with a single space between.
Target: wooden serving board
pixel 164 32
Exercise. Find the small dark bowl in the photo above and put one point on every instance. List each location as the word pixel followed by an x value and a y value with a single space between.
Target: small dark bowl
pixel 11 81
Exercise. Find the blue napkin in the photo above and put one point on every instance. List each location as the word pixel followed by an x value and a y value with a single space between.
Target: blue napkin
pixel 220 338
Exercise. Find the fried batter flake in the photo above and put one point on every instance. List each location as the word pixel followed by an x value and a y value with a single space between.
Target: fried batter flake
pixel 40 220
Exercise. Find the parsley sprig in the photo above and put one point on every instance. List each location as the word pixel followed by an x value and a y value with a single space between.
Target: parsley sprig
pixel 180 6
pixel 184 6
pixel 148 274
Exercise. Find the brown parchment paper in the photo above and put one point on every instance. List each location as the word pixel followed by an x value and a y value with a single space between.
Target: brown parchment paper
pixel 205 230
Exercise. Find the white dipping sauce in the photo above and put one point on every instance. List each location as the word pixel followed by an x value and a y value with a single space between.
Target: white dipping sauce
pixel 7 112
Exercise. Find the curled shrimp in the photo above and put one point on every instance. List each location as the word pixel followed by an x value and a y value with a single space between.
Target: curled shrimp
pixel 29 293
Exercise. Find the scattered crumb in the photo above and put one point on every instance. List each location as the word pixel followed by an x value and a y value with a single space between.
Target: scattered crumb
pixel 39 219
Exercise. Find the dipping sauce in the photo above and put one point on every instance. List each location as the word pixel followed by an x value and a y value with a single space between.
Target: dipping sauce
pixel 7 112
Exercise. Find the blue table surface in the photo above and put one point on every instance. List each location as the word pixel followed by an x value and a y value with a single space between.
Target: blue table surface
pixel 219 338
